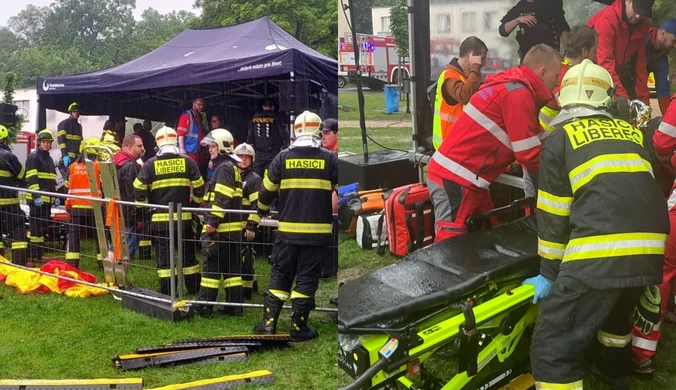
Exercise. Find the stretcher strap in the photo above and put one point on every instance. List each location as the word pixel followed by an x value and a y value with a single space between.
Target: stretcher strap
pixel 468 344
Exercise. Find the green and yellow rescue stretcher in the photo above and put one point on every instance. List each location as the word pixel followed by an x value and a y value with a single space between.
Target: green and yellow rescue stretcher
pixel 462 295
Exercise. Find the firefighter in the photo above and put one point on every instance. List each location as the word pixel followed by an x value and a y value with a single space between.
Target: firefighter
pixel 268 136
pixel 69 134
pixel 40 176
pixel 222 232
pixel 596 260
pixel 251 185
pixel 11 217
pixel 304 176
pixel 81 211
pixel 166 178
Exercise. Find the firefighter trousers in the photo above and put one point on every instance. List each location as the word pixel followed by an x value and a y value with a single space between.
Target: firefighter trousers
pixel 38 225
pixel 191 271
pixel 302 263
pixel 145 243
pixel 226 262
pixel 79 219
pixel 646 337
pixel 13 227
pixel 453 204
pixel 570 318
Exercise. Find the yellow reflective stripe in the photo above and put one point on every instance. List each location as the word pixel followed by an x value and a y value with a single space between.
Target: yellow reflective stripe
pixel 614 245
pixel 61 132
pixel 31 173
pixel 36 239
pixel 558 205
pixel 232 282
pixel 62 146
pixel 72 256
pixel 210 283
pixel 218 213
pixel 8 201
pixel 145 243
pixel 82 206
pixel 306 184
pixel 164 183
pixel 197 199
pixel 226 227
pixel 21 174
pixel 164 217
pixel 607 163
pixel 262 206
pixel 224 190
pixel 312 228
pixel 139 185
pixel 613 340
pixel 163 273
pixel 46 175
pixel 550 250
pixel 247 283
pixel 141 201
pixel 282 295
pixel 197 183
pixel 4 173
pixel 296 295
pixel 253 197
pixel 255 218
pixel 74 137
pixel 577 385
pixel 246 202
pixel 269 185
pixel 191 270
pixel 20 245
pixel 35 186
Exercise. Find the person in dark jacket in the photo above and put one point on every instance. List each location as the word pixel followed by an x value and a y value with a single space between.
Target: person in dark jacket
pixel 12 174
pixel 536 21
pixel 69 135
pixel 149 143
pixel 127 170
pixel 268 135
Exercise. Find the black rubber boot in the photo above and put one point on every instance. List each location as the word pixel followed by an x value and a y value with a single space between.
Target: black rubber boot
pixel 204 311
pixel 299 329
pixel 272 308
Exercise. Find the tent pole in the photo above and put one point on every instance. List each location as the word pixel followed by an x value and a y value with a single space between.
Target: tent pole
pixel 42 115
pixel 360 94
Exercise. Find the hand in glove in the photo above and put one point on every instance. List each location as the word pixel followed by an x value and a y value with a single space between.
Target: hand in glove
pixel 542 287
pixel 66 161
pixel 38 202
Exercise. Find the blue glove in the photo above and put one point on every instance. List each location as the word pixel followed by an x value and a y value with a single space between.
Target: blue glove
pixel 57 202
pixel 66 161
pixel 38 202
pixel 542 287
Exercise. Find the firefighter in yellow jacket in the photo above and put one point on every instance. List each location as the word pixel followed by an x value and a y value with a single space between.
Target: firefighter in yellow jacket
pixel 304 176
pixel 602 226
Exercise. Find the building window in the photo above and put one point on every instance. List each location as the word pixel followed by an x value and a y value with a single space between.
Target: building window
pixel 23 108
pixel 468 22
pixel 444 23
pixel 491 21
pixel 385 24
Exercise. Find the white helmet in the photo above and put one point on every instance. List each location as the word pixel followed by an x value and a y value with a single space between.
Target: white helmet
pixel 308 123
pixel 222 138
pixel 166 136
pixel 586 84
pixel 246 149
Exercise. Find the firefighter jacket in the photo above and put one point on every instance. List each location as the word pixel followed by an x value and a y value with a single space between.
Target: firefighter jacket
pixel 601 217
pixel 78 185
pixel 251 186
pixel 168 178
pixel 552 109
pixel 40 174
pixel 109 140
pixel 305 178
pixel 11 174
pixel 267 132
pixel 493 131
pixel 127 171
pixel 618 49
pixel 224 192
pixel 69 137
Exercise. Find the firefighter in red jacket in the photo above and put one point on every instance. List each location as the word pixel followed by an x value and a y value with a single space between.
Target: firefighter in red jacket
pixel 622 30
pixel 490 134
pixel 648 324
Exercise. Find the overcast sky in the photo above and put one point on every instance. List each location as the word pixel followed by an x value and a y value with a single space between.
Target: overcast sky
pixel 13 7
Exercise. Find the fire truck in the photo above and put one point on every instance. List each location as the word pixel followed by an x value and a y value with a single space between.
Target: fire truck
pixel 378 61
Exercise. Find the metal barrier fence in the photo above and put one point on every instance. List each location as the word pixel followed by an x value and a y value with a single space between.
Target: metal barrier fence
pixel 70 234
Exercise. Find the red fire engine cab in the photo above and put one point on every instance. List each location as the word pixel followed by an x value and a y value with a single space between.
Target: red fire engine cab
pixel 379 61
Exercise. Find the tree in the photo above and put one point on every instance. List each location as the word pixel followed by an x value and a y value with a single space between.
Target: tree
pixel 8 97
pixel 399 26
pixel 313 23
pixel 29 24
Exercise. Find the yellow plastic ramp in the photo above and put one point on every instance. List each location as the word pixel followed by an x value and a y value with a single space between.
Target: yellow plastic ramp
pixel 224 382
pixel 522 382
pixel 73 384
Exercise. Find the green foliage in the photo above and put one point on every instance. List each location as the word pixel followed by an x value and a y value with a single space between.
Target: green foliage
pixel 399 26
pixel 8 87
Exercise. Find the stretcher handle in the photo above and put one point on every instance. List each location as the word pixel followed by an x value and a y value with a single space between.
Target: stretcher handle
pixel 367 375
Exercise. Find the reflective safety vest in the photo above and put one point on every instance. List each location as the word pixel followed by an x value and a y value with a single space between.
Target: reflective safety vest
pixel 547 114
pixel 191 141
pixel 445 115
pixel 78 185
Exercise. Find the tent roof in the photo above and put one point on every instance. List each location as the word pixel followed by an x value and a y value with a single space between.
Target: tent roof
pixel 252 50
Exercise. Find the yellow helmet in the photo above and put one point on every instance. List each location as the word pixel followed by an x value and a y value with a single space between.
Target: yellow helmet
pixel 45 135
pixel 586 84
pixel 73 107
pixel 91 141
pixel 166 136
pixel 4 133
pixel 307 123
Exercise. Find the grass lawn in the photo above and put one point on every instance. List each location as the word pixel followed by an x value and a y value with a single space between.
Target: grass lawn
pixel 374 107
pixel 49 336
pixel 356 262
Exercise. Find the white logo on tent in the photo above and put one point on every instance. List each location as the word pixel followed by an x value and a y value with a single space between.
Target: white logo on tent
pixel 47 86
pixel 274 47
pixel 188 54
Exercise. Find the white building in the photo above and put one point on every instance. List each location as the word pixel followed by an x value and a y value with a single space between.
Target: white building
pixel 380 20
pixel 343 24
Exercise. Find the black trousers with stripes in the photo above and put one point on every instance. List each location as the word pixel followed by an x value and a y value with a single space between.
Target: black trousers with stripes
pixel 161 243
pixel 13 227
pixel 226 263
pixel 38 226
pixel 302 263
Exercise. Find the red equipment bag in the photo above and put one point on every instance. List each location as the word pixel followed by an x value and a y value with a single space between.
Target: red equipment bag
pixel 410 219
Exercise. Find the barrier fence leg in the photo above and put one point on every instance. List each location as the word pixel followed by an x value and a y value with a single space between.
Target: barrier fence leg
pixel 179 264
pixel 172 265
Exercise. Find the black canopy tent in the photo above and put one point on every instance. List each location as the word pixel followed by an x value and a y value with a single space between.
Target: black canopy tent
pixel 231 67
